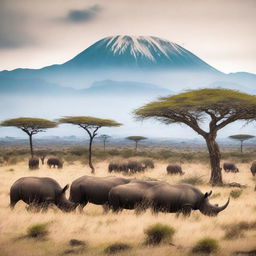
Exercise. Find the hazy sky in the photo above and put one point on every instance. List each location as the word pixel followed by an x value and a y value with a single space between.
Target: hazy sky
pixel 36 33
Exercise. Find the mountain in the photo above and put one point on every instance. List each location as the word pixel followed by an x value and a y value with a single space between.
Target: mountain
pixel 138 52
pixel 125 88
pixel 145 60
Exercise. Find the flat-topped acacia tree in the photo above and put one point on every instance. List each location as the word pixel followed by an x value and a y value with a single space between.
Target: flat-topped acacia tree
pixel 241 138
pixel 217 107
pixel 91 125
pixel 136 139
pixel 30 126
pixel 104 138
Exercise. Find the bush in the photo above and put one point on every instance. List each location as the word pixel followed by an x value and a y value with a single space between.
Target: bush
pixel 206 245
pixel 117 247
pixel 236 193
pixel 194 180
pixel 37 230
pixel 236 230
pixel 158 233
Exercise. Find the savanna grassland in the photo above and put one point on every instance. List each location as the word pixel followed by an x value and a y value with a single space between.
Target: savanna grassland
pixel 234 228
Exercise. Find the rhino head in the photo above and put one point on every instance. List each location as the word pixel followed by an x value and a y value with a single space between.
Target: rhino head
pixel 211 210
pixel 63 203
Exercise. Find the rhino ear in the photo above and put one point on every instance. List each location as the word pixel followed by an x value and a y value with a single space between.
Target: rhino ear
pixel 207 194
pixel 65 188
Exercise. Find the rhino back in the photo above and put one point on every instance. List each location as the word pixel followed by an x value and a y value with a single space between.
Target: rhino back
pixel 35 189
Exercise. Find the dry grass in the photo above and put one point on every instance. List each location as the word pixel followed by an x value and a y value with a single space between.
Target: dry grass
pixel 99 230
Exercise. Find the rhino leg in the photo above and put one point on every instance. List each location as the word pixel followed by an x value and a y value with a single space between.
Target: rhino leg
pixel 81 207
pixel 186 210
pixel 106 208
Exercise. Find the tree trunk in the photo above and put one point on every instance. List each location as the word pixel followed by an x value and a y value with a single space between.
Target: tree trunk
pixel 104 143
pixel 214 153
pixel 136 146
pixel 31 146
pixel 241 147
pixel 90 155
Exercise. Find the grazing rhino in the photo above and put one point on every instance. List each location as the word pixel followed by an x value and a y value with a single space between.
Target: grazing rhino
pixel 181 198
pixel 54 162
pixel 118 167
pixel 33 163
pixel 253 168
pixel 174 169
pixel 130 196
pixel 148 163
pixel 89 189
pixel 135 166
pixel 230 167
pixel 40 192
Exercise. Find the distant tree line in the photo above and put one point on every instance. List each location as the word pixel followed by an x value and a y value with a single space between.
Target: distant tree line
pixel 217 107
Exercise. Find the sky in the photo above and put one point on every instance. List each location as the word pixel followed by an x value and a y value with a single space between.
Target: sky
pixel 36 33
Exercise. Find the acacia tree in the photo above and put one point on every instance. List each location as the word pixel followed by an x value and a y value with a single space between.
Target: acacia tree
pixel 218 107
pixel 30 126
pixel 104 138
pixel 136 139
pixel 241 138
pixel 91 125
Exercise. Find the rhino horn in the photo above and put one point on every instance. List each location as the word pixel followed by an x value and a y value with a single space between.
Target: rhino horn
pixel 221 208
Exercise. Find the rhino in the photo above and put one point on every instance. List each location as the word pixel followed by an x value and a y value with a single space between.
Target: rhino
pixel 40 193
pixel 148 163
pixel 253 168
pixel 130 196
pixel 174 169
pixel 230 167
pixel 181 198
pixel 89 189
pixel 33 163
pixel 54 162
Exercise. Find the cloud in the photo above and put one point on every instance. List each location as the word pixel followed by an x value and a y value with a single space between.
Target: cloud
pixel 14 32
pixel 80 16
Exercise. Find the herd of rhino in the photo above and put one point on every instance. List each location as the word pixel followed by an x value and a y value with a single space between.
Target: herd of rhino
pixel 54 162
pixel 140 166
pixel 117 193
pixel 113 193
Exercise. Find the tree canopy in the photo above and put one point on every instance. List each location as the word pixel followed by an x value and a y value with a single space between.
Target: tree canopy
pixel 219 107
pixel 136 138
pixel 223 106
pixel 88 121
pixel 29 124
pixel 241 137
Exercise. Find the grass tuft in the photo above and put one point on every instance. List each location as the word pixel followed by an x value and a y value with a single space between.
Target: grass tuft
pixel 236 230
pixel 37 230
pixel 235 193
pixel 194 180
pixel 116 248
pixel 206 245
pixel 158 233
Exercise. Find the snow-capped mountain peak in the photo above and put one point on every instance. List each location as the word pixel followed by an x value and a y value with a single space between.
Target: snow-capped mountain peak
pixel 138 52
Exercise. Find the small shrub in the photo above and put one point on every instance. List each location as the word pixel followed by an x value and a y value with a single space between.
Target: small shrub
pixel 75 242
pixel 206 245
pixel 195 180
pixel 236 193
pixel 117 247
pixel 10 170
pixel 37 230
pixel 236 230
pixel 158 233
